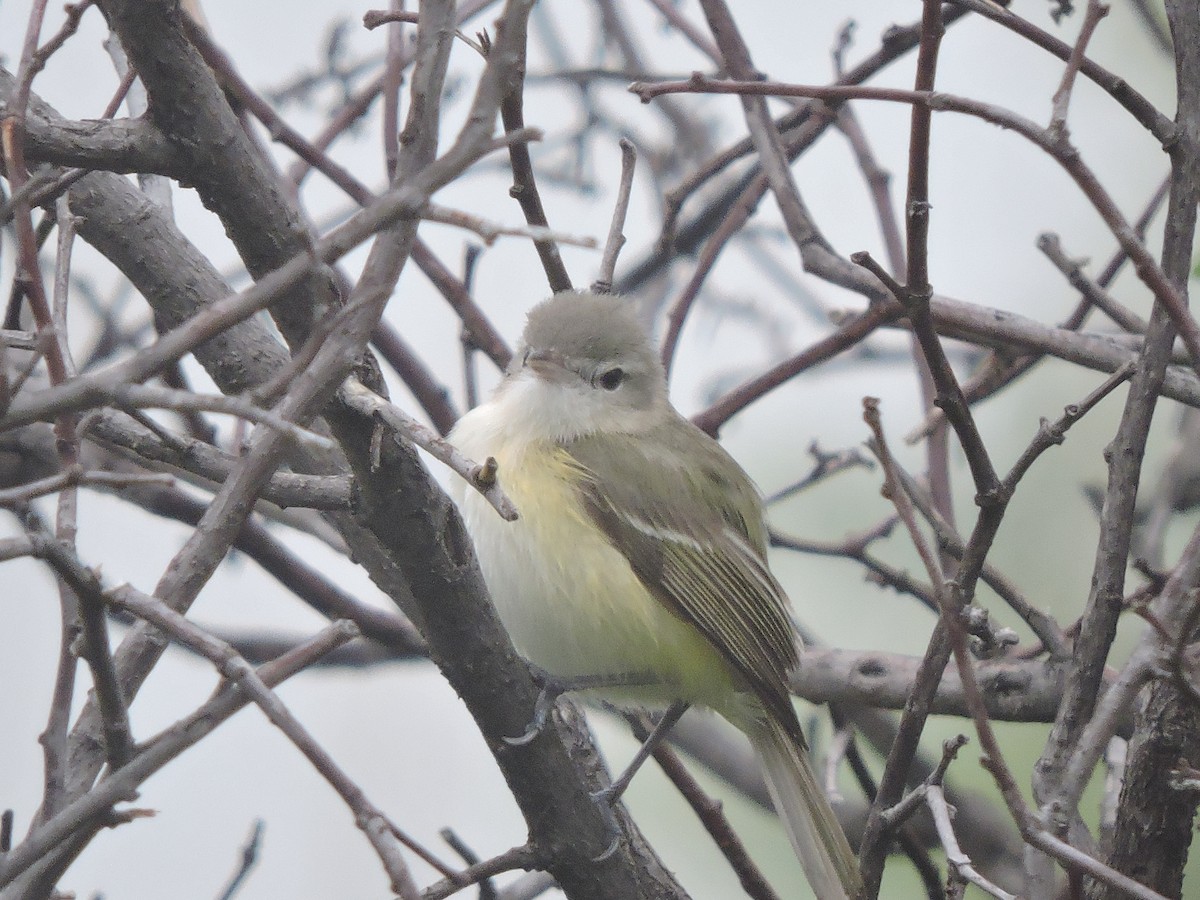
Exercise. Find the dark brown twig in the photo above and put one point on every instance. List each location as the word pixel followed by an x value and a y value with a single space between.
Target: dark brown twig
pixel 524 187
pixel 167 746
pixel 849 333
pixel 1032 829
pixel 998 371
pixel 917 209
pixel 1119 88
pixel 950 399
pixel 246 862
pixel 1090 290
pixel 1061 151
pixel 708 811
pixel 683 240
pixel 937 654
pixel 523 857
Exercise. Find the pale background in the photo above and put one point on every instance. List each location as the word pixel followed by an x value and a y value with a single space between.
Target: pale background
pixel 399 730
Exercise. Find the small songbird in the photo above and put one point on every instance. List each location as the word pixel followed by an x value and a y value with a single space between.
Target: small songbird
pixel 639 553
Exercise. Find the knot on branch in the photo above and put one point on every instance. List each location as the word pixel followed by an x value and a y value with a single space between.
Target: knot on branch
pixel 994 497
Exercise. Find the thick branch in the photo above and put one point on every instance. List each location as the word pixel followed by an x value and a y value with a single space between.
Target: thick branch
pixel 231 174
pixel 1153 831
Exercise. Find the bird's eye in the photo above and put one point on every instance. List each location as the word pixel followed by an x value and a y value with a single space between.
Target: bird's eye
pixel 611 380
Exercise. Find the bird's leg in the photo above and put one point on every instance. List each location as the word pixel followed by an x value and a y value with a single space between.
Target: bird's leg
pixel 553 687
pixel 613 792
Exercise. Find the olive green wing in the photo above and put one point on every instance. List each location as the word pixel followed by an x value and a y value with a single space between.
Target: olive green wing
pixel 694 535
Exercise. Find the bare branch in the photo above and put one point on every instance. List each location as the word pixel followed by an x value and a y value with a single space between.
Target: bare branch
pixel 616 239
pixel 480 477
pixel 122 786
pixel 1062 97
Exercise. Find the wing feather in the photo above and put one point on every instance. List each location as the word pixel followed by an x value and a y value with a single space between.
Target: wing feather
pixel 695 538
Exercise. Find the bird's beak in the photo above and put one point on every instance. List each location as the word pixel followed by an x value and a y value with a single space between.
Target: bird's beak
pixel 549 365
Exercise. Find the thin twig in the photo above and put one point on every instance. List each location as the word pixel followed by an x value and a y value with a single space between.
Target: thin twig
pixel 998 371
pixel 928 358
pixel 373 18
pixel 66 445
pixel 1072 269
pixel 958 861
pixel 929 674
pixel 480 477
pixel 850 332
pixel 524 187
pixel 616 231
pixel 523 857
pixel 1062 97
pixel 732 223
pixel 915 300
pixel 709 812
pixel 1142 110
pixel 143 396
pixel 951 542
pixel 122 785
pixel 393 75
pixel 1050 434
pixel 198 461
pixel 1060 150
pixel 75 476
pixel 249 857
pixel 489 231
pixel 913 799
pixel 371 820
pixel 827 464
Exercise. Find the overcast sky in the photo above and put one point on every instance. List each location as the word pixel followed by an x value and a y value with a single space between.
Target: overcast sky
pixel 399 730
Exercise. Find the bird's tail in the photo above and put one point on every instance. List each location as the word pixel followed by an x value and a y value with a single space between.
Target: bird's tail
pixel 817 837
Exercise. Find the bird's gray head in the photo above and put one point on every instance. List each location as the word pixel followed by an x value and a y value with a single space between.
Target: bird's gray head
pixel 586 364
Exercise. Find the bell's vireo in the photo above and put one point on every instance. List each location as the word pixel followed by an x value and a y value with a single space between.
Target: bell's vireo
pixel 640 550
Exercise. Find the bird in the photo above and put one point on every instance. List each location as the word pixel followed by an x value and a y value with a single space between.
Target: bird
pixel 638 560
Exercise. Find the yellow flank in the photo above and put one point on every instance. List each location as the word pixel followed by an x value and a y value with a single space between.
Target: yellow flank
pixel 591 613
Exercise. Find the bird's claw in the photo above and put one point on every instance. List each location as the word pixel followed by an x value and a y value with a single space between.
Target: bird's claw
pixel 610 852
pixel 546 699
